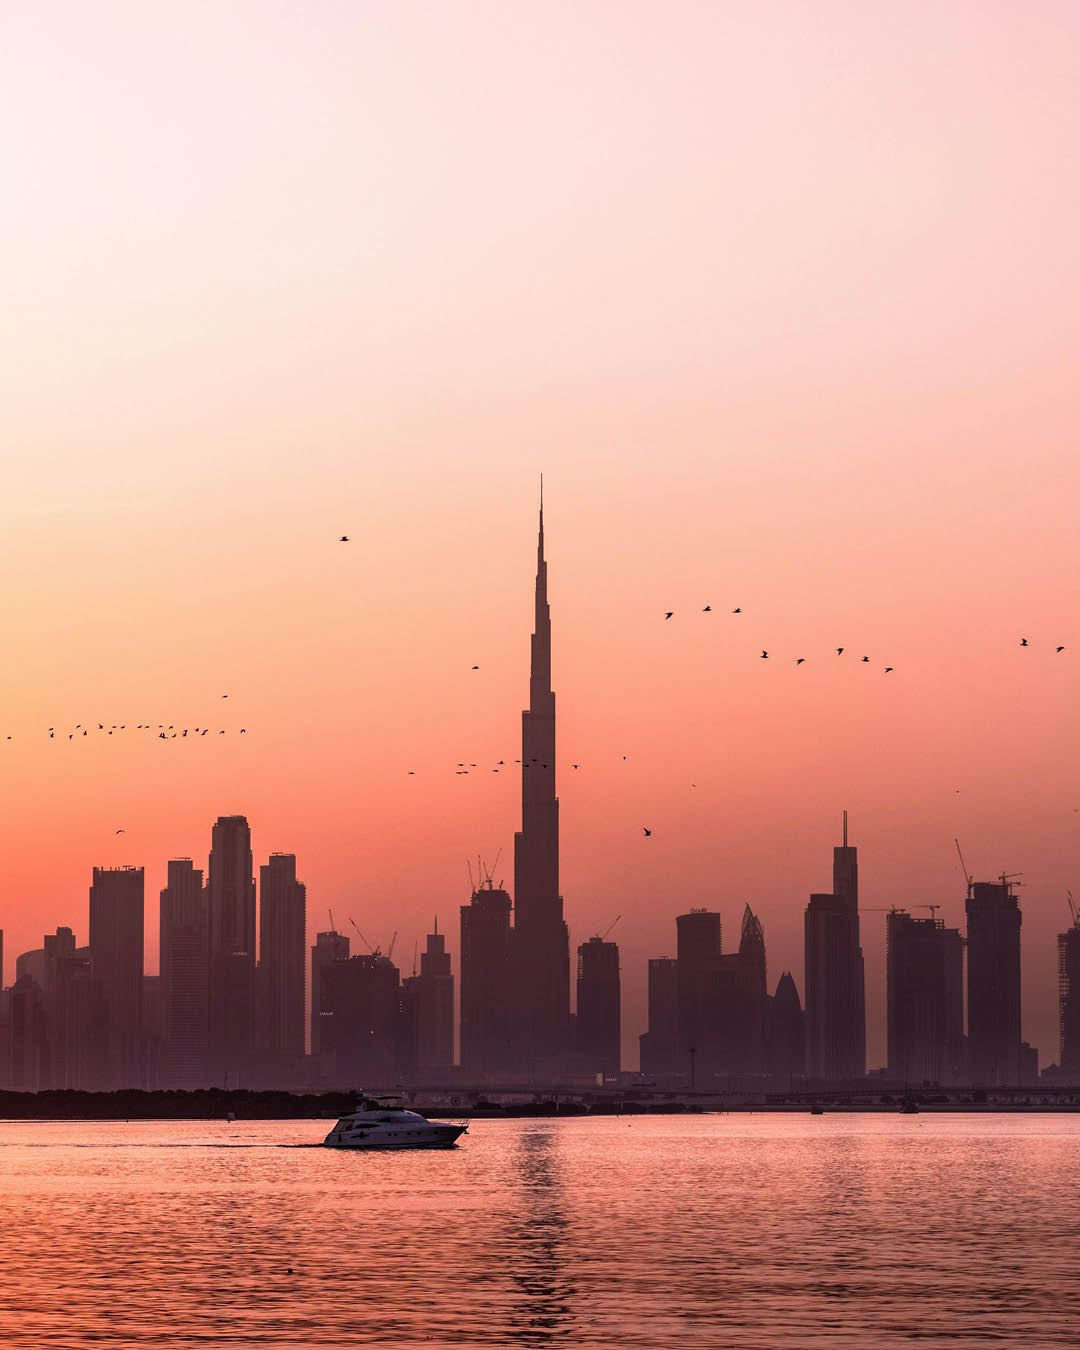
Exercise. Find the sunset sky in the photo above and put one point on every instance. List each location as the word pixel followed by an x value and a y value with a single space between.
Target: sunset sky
pixel 781 298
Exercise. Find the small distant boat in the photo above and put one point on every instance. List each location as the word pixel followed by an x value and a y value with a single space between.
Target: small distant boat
pixel 373 1125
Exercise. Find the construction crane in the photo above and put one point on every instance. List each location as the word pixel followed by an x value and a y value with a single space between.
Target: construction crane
pixel 390 949
pixel 932 908
pixel 331 913
pixel 969 880
pixel 1008 882
pixel 602 936
pixel 1073 910
pixel 373 950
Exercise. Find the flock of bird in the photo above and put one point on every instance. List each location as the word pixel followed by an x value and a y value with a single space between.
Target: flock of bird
pixel 801 660
pixel 166 730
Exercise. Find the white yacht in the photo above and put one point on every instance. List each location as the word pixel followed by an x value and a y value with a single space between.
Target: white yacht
pixel 372 1125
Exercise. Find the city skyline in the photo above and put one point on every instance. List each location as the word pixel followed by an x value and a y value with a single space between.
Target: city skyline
pixel 253 979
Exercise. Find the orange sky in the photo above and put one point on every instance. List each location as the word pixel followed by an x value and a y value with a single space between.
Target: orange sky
pixel 781 298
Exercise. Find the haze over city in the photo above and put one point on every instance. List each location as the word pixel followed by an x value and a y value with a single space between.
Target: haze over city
pixel 829 384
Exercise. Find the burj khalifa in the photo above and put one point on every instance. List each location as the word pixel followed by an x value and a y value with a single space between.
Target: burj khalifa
pixel 540 941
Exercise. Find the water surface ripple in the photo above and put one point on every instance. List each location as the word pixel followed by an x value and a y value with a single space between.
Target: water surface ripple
pixel 739 1231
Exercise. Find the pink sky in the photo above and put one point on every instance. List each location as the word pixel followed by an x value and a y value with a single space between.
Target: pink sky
pixel 782 298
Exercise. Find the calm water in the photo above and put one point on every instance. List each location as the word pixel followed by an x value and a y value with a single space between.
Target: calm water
pixel 728 1231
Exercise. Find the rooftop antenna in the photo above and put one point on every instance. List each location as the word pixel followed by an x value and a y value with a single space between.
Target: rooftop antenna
pixel 332 928
pixel 415 949
pixel 845 829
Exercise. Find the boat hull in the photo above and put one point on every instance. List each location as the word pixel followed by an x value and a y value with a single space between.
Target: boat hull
pixel 443 1136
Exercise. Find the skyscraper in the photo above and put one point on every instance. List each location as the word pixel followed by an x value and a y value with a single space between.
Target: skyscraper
pixel 485 984
pixel 116 947
pixel 598 1006
pixel 231 904
pixel 1068 945
pixel 921 956
pixel 432 997
pixel 329 947
pixel 835 987
pixel 659 1045
pixel 731 1006
pixel 282 931
pixel 360 1038
pixel 786 1054
pixel 993 933
pixel 184 963
pixel 540 942
pixel 699 942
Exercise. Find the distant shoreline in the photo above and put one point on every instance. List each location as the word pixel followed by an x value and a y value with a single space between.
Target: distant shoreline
pixel 216 1104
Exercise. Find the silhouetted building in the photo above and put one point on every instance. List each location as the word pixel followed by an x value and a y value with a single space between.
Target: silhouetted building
pixel 76 1022
pixel 835 988
pixel 282 935
pixel 598 1006
pixel 786 1036
pixel 116 947
pixel 361 1032
pixel 731 1006
pixel 1068 945
pixel 27 1036
pixel 329 947
pixel 956 1051
pixel 699 944
pixel 924 1038
pixel 184 962
pixel 431 995
pixel 231 906
pixel 485 984
pixel 540 950
pixel 659 1046
pixel 993 935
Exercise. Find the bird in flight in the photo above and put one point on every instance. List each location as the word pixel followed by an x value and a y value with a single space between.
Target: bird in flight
pixel 669 614
pixel 764 656
pixel 1023 642
pixel 800 660
pixel 887 669
pixel 737 610
pixel 476 667
pixel 839 651
pixel 573 766
pixel 1060 649
pixel 648 832
pixel 121 831
pixel 344 539
pixel 224 696
pixel 707 609
pixel 866 658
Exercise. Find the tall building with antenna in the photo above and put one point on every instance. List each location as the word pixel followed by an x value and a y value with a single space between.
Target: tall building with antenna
pixel 834 978
pixel 540 949
pixel 431 996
